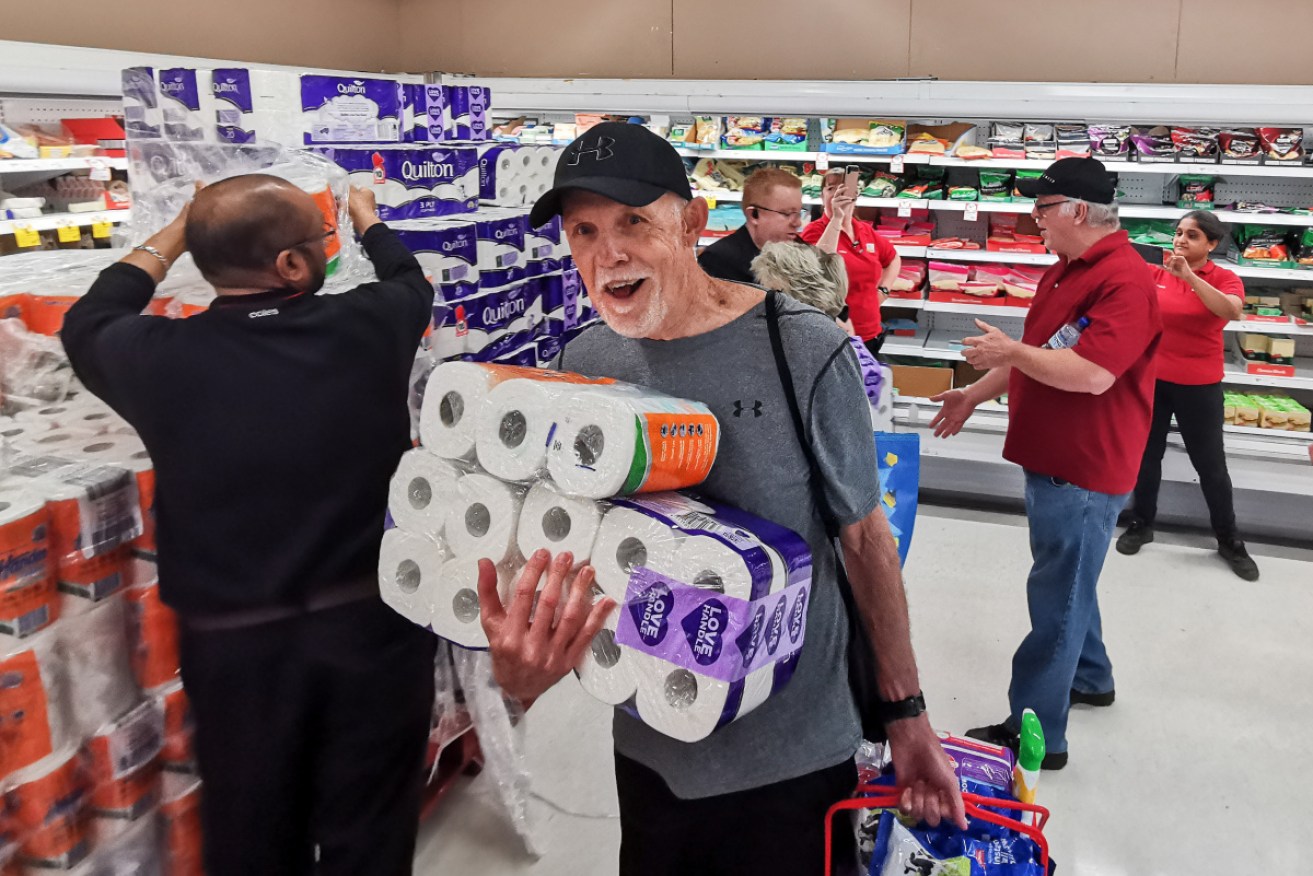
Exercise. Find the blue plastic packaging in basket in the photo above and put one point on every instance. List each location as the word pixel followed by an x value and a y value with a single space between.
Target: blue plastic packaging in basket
pixel 983 849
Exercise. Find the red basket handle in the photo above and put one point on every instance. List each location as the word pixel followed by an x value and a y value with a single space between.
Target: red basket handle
pixel 884 797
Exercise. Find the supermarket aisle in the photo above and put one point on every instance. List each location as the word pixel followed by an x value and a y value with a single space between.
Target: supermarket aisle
pixel 1195 769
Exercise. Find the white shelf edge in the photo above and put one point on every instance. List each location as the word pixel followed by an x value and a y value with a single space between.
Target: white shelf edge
pixel 1233 374
pixel 38 165
pixel 995 309
pixel 50 221
pixel 1276 434
pixel 907 303
pixel 1268 328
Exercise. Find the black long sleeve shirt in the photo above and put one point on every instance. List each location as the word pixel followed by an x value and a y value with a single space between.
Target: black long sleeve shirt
pixel 274 422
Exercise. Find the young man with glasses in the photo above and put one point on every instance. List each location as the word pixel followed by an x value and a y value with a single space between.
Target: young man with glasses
pixel 275 420
pixel 1079 414
pixel 772 207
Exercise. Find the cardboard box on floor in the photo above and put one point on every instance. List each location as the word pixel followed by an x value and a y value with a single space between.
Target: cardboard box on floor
pixel 920 381
pixel 965 375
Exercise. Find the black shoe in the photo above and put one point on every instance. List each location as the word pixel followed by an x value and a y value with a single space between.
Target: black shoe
pixel 1001 735
pixel 1080 698
pixel 1136 536
pixel 1241 562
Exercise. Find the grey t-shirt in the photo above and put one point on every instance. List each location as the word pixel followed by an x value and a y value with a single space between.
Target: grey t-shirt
pixel 812 723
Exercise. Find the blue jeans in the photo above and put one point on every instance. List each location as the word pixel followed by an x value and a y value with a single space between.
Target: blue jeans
pixel 1070 531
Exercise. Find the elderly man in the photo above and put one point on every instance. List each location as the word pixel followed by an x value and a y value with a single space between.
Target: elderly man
pixel 275 420
pixel 751 798
pixel 772 210
pixel 1079 412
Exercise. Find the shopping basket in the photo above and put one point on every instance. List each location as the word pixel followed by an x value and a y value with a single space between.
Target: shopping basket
pixel 873 796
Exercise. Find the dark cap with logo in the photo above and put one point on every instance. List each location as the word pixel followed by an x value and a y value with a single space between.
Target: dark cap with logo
pixel 1081 178
pixel 623 162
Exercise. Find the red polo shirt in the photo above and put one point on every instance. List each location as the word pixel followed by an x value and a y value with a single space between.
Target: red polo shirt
pixel 1193 347
pixel 1093 441
pixel 866 258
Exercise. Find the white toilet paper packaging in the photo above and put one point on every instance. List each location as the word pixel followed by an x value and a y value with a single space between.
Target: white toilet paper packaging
pixel 469 111
pixel 100 676
pixel 622 439
pixel 607 671
pixel 409 565
pixel 28 599
pixel 501 236
pixel 35 702
pixel 412 181
pixel 256 106
pixel 93 508
pixel 557 523
pixel 501 178
pixel 421 489
pixel 186 104
pixel 340 109
pixel 447 250
pixel 453 398
pixel 631 537
pixel 516 424
pixel 141 105
pixel 484 519
pixel 455 614
pixel 503 320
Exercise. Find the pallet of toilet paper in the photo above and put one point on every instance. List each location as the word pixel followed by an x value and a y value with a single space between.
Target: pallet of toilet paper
pixel 711 601
pixel 97 772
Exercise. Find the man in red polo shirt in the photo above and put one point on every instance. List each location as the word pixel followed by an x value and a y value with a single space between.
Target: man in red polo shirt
pixel 872 262
pixel 1080 399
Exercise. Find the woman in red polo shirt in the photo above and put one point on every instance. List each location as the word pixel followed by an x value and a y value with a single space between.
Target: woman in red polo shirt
pixel 872 262
pixel 1196 298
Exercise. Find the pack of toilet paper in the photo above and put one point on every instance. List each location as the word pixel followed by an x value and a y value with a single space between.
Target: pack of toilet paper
pixel 467 107
pixel 712 601
pixel 412 181
pixel 447 249
pixel 341 109
pixel 512 175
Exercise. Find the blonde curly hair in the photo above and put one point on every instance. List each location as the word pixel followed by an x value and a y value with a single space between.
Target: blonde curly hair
pixel 804 272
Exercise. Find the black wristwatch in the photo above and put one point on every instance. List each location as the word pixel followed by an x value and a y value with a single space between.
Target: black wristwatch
pixel 883 290
pixel 899 710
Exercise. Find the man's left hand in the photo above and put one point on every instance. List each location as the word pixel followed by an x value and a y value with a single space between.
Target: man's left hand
pixel 931 792
pixel 993 349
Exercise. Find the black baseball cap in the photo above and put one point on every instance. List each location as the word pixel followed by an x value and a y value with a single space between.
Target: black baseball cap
pixel 1081 178
pixel 624 162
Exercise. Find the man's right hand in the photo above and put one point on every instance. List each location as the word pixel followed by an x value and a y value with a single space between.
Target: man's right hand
pixel 956 408
pixel 363 209
pixel 531 655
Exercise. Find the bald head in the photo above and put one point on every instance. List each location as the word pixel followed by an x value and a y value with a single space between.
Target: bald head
pixel 238 226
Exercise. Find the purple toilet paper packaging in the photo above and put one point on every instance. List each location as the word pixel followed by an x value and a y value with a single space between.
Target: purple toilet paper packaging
pixel 501 247
pixel 543 249
pixel 548 349
pixel 183 105
pixel 342 109
pixel 468 107
pixel 413 182
pixel 447 250
pixel 502 320
pixel 141 105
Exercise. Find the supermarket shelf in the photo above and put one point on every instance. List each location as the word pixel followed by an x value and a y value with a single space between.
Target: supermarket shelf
pixel 982 255
pixel 39 165
pixel 981 309
pixel 1296 438
pixel 907 303
pixel 1299 275
pixel 1303 378
pixel 50 221
pixel 1268 328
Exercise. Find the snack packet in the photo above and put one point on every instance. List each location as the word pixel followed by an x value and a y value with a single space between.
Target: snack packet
pixel 1282 144
pixel 1110 141
pixel 1197 192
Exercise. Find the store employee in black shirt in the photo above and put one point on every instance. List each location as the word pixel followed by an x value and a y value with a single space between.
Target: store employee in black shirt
pixel 772 207
pixel 275 420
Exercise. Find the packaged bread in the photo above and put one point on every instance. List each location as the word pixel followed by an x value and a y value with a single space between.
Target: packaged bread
pixel 1246 411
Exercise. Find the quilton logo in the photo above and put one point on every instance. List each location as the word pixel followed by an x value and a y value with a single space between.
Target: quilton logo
pixel 651 613
pixel 172 87
pixel 776 629
pixel 503 233
pixel 226 87
pixel 356 87
pixel 426 170
pixel 705 631
pixel 461 242
pixel 504 311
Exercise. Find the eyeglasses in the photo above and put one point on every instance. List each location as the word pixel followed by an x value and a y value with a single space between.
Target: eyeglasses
pixel 1040 208
pixel 323 237
pixel 788 214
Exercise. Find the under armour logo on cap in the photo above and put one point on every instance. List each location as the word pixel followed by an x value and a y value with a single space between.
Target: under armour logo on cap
pixel 600 150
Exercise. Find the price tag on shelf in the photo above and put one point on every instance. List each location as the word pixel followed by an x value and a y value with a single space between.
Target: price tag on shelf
pixel 896 164
pixel 26 236
pixel 905 210
pixel 972 211
pixel 101 230
pixel 711 201
pixel 822 161
pixel 99 169
pixel 67 232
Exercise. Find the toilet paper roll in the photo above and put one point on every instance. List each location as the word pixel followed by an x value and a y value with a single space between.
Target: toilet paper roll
pixel 135 458
pixel 142 572
pixel 408 570
pixel 689 707
pixel 515 424
pixel 177 753
pixel 455 394
pixel 35 699
pixel 180 822
pixel 100 674
pixel 422 491
pixel 558 523
pixel 56 416
pixel 47 805
pixel 54 442
pixel 484 519
pixel 621 440
pixel 152 636
pixel 97 419
pixel 627 539
pixel 456 602
pixel 104 449
pixel 15 432
pixel 29 601
pixel 709 563
pixel 86 583
pixel 606 670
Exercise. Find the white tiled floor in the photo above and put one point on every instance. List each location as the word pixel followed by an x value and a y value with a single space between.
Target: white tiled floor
pixel 1200 767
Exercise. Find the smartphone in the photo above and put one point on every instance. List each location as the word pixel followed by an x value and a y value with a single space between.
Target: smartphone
pixel 852 180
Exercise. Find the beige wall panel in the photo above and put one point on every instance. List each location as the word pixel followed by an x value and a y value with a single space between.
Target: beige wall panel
pixel 340 34
pixel 554 38
pixel 1046 40
pixel 1245 43
pixel 787 39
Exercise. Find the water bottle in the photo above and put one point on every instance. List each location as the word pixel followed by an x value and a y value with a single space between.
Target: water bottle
pixel 1068 335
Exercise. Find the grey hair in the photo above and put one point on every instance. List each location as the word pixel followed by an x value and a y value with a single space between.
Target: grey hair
pixel 803 272
pixel 1097 215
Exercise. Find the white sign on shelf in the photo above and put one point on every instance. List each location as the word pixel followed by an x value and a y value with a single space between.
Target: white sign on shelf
pixel 99 169
pixel 971 212
pixel 822 161
pixel 896 164
pixel 905 210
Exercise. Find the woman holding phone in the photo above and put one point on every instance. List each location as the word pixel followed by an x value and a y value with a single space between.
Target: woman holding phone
pixel 872 262
pixel 1196 299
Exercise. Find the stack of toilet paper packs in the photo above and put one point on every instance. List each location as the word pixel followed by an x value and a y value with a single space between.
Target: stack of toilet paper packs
pixel 711 601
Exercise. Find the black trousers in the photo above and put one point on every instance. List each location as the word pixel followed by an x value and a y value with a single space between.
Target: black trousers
pixel 311 732
pixel 876 344
pixel 776 830
pixel 1198 411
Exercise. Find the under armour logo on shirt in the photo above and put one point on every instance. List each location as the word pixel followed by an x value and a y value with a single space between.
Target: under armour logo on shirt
pixel 600 150
pixel 756 409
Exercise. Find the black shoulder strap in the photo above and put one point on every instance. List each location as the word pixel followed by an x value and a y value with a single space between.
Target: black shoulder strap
pixel 791 395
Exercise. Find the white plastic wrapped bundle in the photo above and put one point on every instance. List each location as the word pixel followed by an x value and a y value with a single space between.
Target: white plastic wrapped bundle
pixel 99 665
pixel 39 718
